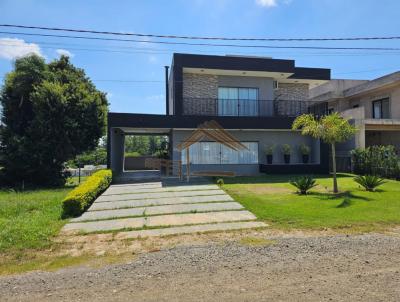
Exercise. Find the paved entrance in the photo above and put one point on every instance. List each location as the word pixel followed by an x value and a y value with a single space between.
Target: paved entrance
pixel 163 208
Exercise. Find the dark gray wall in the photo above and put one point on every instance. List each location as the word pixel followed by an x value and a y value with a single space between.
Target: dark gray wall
pixel 117 151
pixel 264 139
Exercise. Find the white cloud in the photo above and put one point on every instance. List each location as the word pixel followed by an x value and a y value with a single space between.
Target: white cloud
pixel 64 52
pixel 272 3
pixel 267 3
pixel 12 48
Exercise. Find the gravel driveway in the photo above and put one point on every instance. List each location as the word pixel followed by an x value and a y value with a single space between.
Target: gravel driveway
pixel 334 268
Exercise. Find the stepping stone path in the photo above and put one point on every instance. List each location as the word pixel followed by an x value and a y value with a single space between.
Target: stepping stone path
pixel 167 208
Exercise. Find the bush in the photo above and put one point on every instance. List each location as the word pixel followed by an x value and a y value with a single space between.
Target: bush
pixel 95 158
pixel 304 149
pixel 304 184
pixel 376 160
pixel 220 182
pixel 286 149
pixel 79 199
pixel 269 150
pixel 369 182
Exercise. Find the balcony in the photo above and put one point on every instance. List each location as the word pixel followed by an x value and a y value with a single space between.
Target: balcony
pixel 246 107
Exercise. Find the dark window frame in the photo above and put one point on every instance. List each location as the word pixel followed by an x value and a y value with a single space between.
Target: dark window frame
pixel 381 107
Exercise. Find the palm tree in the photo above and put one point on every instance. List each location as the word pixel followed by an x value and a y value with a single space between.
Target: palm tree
pixel 331 129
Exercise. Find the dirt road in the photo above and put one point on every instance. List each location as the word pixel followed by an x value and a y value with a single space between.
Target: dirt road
pixel 332 268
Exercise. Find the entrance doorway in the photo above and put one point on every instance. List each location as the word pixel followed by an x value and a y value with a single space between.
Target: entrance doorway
pixel 139 147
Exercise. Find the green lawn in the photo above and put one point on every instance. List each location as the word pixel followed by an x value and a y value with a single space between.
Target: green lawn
pixel 273 199
pixel 29 219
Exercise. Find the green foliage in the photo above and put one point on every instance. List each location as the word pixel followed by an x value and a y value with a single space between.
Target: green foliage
pixel 376 160
pixel 303 184
pixel 369 182
pixel 51 113
pixel 96 157
pixel 286 149
pixel 304 149
pixel 269 150
pixel 220 182
pixel 132 154
pixel 145 145
pixel 79 199
pixel 330 128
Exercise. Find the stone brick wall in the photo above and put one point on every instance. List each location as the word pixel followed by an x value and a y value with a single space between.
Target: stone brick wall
pixel 289 97
pixel 200 92
pixel 291 91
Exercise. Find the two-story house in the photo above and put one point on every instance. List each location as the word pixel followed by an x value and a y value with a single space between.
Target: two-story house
pixel 373 106
pixel 255 99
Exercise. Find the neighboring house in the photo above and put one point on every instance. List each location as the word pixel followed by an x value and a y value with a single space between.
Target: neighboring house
pixel 373 106
pixel 255 99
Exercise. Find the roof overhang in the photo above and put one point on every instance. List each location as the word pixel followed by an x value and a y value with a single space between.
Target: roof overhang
pixel 243 73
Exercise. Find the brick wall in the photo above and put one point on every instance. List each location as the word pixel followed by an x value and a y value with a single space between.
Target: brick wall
pixel 200 92
pixel 291 91
pixel 288 95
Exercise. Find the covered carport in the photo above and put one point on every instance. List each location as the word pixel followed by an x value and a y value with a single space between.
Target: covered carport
pixel 116 152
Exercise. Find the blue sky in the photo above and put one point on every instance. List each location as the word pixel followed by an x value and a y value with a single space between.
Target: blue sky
pixel 109 64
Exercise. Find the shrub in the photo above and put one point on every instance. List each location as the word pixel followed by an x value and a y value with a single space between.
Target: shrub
pixel 220 182
pixel 369 182
pixel 79 199
pixel 376 160
pixel 304 149
pixel 269 150
pixel 303 184
pixel 286 149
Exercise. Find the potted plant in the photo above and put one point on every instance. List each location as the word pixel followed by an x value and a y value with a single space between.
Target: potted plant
pixel 286 149
pixel 269 151
pixel 305 152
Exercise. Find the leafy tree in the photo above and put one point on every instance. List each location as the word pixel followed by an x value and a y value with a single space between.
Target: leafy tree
pixel 95 157
pixel 331 129
pixel 51 113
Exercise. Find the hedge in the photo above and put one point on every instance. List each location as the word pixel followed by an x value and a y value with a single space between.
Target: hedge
pixel 376 160
pixel 80 199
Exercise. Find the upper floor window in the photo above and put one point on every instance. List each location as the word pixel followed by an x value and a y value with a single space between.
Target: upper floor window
pixel 380 109
pixel 235 101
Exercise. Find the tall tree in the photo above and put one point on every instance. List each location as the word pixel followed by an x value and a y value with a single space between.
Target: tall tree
pixel 51 113
pixel 332 129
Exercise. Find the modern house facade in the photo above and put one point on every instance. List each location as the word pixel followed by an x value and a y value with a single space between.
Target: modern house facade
pixel 255 99
pixel 373 106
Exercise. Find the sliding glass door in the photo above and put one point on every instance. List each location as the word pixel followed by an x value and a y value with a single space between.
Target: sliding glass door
pixel 234 101
pixel 206 153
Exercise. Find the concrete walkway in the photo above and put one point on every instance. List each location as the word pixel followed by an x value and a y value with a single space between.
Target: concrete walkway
pixel 166 208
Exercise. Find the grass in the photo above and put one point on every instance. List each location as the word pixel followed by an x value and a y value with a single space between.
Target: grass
pixel 256 241
pixel 273 199
pixel 29 219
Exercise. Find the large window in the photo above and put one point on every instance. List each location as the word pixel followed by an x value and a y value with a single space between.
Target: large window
pixel 206 153
pixel 237 101
pixel 380 109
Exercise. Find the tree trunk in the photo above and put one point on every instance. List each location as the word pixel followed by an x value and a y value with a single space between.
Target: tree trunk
pixel 335 186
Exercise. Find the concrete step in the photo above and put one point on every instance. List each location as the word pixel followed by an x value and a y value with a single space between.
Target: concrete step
pixel 230 226
pixel 137 177
pixel 158 221
pixel 152 195
pixel 116 190
pixel 98 206
pixel 158 210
